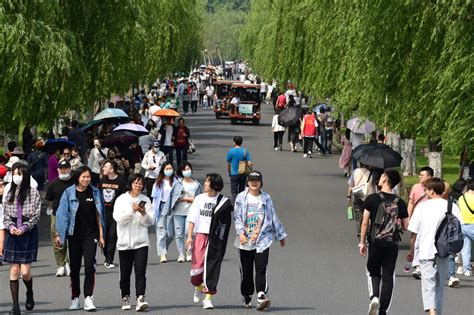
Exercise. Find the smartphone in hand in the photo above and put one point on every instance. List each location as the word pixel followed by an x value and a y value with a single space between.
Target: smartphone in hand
pixel 142 204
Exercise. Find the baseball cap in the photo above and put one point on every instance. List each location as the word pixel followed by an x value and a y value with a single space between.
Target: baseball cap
pixel 64 164
pixel 255 175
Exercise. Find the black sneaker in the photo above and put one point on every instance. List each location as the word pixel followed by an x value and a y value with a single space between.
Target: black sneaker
pixel 247 301
pixel 263 303
pixel 30 301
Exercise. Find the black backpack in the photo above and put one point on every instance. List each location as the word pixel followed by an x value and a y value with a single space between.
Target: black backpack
pixel 449 239
pixel 386 227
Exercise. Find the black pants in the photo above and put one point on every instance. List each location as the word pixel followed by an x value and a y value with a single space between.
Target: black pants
pixel 194 106
pixel 380 268
pixel 278 139
pixel 185 107
pixel 82 247
pixel 137 258
pixel 149 185
pixel 307 144
pixel 247 259
pixel 237 184
pixel 181 155
pixel 329 136
pixel 320 147
pixel 110 234
pixel 168 151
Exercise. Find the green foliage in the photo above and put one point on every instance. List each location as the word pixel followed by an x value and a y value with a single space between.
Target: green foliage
pixel 416 54
pixel 59 55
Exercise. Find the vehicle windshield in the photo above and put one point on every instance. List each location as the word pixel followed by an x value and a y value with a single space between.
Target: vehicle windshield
pixel 248 94
pixel 222 90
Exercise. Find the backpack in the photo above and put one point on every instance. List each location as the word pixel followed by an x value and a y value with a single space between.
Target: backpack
pixel 449 239
pixel 385 228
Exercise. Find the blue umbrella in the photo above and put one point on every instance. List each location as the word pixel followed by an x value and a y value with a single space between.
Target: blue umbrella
pixel 91 124
pixel 317 109
pixel 111 113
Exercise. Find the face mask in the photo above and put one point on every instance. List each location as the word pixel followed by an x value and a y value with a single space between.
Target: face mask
pixel 169 173
pixel 17 179
pixel 64 176
pixel 187 173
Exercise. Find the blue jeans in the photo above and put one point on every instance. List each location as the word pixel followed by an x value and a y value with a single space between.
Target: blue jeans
pixel 451 266
pixel 468 232
pixel 180 231
pixel 164 227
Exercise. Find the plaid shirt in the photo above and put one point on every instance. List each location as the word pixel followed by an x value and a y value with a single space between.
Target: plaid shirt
pixel 31 210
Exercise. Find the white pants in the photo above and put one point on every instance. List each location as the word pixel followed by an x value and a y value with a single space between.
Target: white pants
pixel 433 279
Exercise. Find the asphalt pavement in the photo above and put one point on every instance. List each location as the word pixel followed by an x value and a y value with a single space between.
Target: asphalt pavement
pixel 318 272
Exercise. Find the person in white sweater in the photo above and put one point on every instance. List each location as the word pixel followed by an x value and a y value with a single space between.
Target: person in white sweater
pixel 134 214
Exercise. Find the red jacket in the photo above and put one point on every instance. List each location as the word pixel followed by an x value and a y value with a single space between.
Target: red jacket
pixel 308 128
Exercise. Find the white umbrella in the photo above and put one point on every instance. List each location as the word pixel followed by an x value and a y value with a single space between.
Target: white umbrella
pixel 360 125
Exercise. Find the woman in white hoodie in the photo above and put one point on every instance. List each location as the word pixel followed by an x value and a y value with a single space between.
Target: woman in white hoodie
pixel 134 214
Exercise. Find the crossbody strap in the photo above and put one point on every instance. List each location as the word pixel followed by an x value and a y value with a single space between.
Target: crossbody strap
pixel 465 201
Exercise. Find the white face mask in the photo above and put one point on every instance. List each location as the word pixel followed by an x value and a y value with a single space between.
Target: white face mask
pixel 168 173
pixel 64 176
pixel 187 173
pixel 17 179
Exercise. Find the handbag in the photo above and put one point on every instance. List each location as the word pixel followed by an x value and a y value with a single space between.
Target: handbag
pixel 191 147
pixel 244 167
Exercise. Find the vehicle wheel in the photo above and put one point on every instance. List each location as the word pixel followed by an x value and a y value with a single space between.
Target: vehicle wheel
pixel 233 121
pixel 256 122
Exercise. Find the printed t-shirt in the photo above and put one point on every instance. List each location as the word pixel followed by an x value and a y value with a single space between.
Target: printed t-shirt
pixel 373 201
pixel 200 213
pixel 86 222
pixel 55 191
pixel 425 221
pixel 189 189
pixel 111 189
pixel 254 221
pixel 234 156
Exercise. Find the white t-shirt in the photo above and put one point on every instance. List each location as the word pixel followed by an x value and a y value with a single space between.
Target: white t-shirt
pixel 200 213
pixel 169 135
pixel 253 224
pixel 182 208
pixel 166 190
pixel 425 222
pixel 210 90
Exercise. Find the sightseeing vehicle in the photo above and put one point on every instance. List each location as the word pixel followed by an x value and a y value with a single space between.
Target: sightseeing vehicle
pixel 222 89
pixel 248 107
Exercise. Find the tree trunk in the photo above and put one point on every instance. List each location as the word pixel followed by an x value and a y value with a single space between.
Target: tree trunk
pixel 435 156
pixel 408 153
pixel 393 140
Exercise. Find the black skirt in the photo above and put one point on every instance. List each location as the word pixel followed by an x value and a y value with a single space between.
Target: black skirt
pixel 21 249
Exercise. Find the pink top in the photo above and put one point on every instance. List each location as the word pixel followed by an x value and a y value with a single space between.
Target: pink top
pixel 52 168
pixel 418 193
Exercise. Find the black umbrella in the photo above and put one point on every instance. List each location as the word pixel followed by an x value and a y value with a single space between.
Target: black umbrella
pixel 120 137
pixel 289 117
pixel 57 144
pixel 377 155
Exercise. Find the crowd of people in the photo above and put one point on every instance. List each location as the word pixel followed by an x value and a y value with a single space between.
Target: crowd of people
pixel 106 196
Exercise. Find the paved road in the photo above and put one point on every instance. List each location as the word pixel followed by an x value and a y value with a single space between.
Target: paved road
pixel 318 272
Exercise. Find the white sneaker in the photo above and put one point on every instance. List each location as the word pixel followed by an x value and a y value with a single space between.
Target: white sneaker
pixel 207 304
pixel 109 266
pixel 181 258
pixel 276 149
pixel 453 282
pixel 374 306
pixel 75 304
pixel 89 304
pixel 459 270
pixel 262 302
pixel 189 257
pixel 141 304
pixel 163 258
pixel 60 272
pixel 309 153
pixel 68 269
pixel 126 303
pixel 458 260
pixel 305 155
pixel 468 273
pixel 197 295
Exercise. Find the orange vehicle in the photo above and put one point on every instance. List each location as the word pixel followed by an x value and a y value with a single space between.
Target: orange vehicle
pixel 245 103
pixel 222 89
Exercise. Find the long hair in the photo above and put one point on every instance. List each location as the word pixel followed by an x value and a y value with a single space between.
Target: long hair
pixel 161 175
pixel 24 188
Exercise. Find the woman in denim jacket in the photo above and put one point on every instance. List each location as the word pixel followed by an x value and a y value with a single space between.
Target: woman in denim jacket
pixel 177 206
pixel 80 221
pixel 256 224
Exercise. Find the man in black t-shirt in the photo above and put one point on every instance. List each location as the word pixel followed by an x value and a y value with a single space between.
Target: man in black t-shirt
pixel 382 259
pixel 53 196
pixel 111 186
